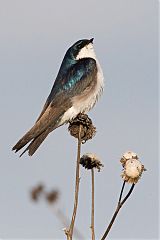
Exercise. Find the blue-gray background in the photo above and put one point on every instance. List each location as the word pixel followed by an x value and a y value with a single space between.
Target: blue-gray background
pixel 34 36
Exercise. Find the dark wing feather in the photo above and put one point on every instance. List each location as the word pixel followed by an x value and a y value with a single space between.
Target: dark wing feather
pixel 79 75
pixel 72 83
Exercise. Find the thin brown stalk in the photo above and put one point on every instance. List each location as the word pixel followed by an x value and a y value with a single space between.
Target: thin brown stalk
pixel 120 204
pixel 121 193
pixel 65 221
pixel 70 231
pixel 92 211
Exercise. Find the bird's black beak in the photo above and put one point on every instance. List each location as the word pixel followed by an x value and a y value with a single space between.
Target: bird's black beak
pixel 91 40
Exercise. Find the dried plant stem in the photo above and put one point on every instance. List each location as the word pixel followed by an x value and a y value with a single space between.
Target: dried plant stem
pixel 92 211
pixel 70 231
pixel 65 221
pixel 120 204
pixel 121 193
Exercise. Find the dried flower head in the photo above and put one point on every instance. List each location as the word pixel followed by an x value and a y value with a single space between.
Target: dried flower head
pixel 90 160
pixel 52 196
pixel 133 168
pixel 88 131
pixel 36 192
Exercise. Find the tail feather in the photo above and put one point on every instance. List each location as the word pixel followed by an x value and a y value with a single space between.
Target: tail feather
pixel 48 122
pixel 31 134
pixel 33 146
pixel 40 126
pixel 35 140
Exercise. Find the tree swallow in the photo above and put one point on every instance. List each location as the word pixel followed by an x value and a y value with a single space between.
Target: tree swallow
pixel 77 87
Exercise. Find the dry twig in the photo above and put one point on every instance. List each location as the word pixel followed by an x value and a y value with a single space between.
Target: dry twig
pixel 69 232
pixel 91 161
pixel 92 212
pixel 120 204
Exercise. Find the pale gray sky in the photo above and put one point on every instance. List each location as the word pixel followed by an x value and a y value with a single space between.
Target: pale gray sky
pixel 34 36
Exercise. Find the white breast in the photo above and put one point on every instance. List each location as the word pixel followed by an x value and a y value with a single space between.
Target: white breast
pixel 85 102
pixel 89 97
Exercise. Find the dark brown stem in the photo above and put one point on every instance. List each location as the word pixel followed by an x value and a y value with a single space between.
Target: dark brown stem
pixel 92 211
pixel 65 221
pixel 128 194
pixel 121 193
pixel 120 204
pixel 70 232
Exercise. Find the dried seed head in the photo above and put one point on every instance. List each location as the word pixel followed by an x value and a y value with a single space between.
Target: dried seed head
pixel 52 196
pixel 132 167
pixel 87 130
pixel 128 155
pixel 90 160
pixel 36 192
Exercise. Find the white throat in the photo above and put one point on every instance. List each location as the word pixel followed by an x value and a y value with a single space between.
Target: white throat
pixel 87 52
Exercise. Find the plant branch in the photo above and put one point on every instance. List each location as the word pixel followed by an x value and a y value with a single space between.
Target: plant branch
pixel 128 194
pixel 70 231
pixel 121 193
pixel 120 204
pixel 92 211
pixel 65 221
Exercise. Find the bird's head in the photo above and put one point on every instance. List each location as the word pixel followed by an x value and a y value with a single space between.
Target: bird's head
pixel 82 49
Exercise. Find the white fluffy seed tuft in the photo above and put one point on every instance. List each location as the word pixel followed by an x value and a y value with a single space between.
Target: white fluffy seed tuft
pixel 132 167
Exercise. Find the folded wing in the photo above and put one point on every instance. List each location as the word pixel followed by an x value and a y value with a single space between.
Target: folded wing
pixel 67 86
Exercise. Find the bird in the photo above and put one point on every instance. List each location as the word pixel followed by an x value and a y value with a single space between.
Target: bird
pixel 76 89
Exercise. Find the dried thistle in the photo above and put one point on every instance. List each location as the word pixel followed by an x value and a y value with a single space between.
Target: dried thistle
pixel 132 167
pixel 90 160
pixel 36 192
pixel 88 130
pixel 52 196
